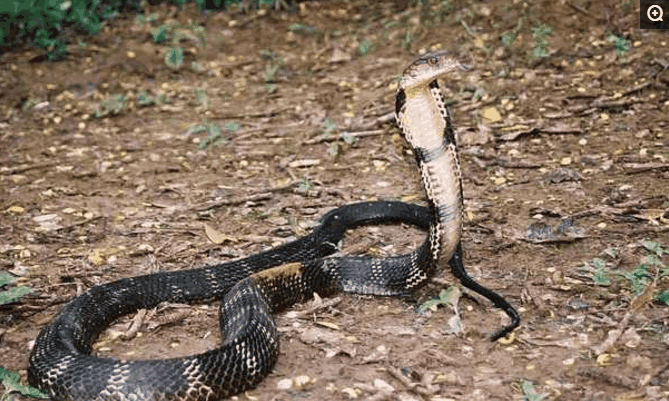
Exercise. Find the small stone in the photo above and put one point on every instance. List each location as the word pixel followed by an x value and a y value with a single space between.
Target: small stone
pixel 284 384
pixel 639 362
pixel 15 210
pixel 351 393
pixel 491 115
pixel 604 360
pixel 145 248
pixel 95 257
pixel 383 386
pixel 304 163
pixel 301 381
pixel 630 338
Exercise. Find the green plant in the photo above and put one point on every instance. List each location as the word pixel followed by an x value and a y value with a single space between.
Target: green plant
pixel 112 106
pixel 144 99
pixel 639 278
pixel 174 57
pixel 11 295
pixel 529 392
pixel 202 98
pixel 306 186
pixel 12 383
pixel 510 36
pixel 274 64
pixel 44 22
pixel 406 40
pixel 365 47
pixel 348 138
pixel 329 126
pixel 622 46
pixel 159 33
pixel 598 271
pixel 540 34
pixel 432 14
pixel 301 29
pixel 447 297
pixel 214 132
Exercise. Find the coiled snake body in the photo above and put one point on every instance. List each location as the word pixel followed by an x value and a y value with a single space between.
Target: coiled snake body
pixel 252 289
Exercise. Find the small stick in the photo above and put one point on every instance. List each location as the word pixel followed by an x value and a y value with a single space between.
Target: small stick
pixel 234 201
pixel 330 138
pixel 23 169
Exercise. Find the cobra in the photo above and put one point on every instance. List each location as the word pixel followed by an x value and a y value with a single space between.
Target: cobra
pixel 254 288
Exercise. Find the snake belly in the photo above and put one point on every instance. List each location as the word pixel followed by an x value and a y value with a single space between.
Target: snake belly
pixel 254 288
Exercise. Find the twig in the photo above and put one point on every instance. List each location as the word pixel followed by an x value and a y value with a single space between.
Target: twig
pixel 635 168
pixel 407 382
pixel 81 223
pixel 639 302
pixel 23 169
pixel 320 305
pixel 330 138
pixel 602 104
pixel 583 11
pixel 235 201
pixel 637 88
pixel 270 113
pixel 560 129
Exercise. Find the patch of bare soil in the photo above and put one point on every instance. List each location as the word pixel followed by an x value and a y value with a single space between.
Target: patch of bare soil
pixel 563 127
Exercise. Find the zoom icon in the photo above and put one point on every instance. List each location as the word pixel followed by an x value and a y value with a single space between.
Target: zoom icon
pixel 651 14
pixel 655 13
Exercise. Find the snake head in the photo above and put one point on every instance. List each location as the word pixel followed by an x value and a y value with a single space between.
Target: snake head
pixel 429 67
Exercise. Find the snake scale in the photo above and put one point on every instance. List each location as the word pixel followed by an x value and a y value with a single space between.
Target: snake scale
pixel 254 288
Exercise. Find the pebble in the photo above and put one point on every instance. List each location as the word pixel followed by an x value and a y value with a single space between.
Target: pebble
pixel 284 384
pixel 383 386
pixel 351 393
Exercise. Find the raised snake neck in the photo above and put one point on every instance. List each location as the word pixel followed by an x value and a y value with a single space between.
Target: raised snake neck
pixel 61 364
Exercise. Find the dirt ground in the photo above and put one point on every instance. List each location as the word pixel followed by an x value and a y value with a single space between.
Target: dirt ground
pixel 563 139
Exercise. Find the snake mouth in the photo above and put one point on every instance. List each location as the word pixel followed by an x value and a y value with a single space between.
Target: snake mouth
pixel 432 66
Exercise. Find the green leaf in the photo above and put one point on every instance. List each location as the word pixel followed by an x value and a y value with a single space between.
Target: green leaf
pixel 12 383
pixel 174 57
pixel 329 127
pixel 300 28
pixel 611 252
pixel 159 34
pixel 663 297
pixel 527 387
pixel 348 138
pixel 598 263
pixel 601 278
pixel 13 294
pixel 6 278
pixel 231 126
pixel 449 296
pixel 655 248
pixel 365 47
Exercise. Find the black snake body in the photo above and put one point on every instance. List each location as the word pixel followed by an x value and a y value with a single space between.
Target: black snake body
pixel 252 289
